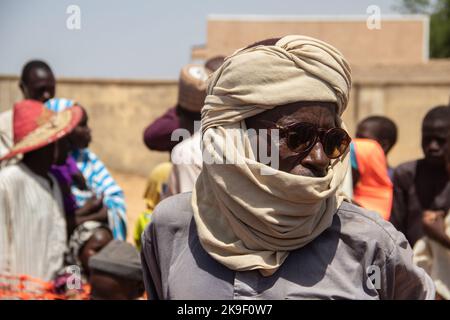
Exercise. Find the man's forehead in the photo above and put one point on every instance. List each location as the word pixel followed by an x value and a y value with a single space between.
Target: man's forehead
pixel 437 125
pixel 439 128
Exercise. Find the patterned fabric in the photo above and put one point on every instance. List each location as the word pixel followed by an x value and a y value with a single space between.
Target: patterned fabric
pixel 79 237
pixel 98 180
pixel 59 104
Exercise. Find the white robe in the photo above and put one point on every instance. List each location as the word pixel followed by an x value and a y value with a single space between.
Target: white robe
pixel 187 163
pixel 32 224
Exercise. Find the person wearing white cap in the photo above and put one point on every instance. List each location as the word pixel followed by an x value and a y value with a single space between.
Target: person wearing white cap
pixel 186 156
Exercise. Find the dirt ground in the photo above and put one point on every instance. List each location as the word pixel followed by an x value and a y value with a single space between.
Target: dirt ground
pixel 133 187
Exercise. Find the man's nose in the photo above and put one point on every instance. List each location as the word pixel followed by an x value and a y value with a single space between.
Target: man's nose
pixel 434 145
pixel 317 159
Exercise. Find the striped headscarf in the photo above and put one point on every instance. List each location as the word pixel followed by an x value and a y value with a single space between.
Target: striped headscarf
pixel 98 179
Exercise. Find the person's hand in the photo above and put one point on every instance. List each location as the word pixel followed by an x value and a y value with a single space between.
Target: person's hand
pixel 100 216
pixel 434 226
pixel 92 205
pixel 79 181
pixel 434 220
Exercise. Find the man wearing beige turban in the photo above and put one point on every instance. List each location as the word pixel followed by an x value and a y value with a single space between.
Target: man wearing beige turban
pixel 277 229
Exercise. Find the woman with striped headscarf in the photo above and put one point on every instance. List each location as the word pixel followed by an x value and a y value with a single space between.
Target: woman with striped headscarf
pixel 93 187
pixel 276 226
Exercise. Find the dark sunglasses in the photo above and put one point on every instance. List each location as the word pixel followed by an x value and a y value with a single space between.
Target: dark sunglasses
pixel 301 138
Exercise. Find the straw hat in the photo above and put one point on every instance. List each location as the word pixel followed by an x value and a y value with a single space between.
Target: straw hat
pixel 34 126
pixel 192 87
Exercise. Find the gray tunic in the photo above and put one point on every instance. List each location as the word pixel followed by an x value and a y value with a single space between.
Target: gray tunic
pixel 360 256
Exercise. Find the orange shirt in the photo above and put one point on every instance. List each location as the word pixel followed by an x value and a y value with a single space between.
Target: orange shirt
pixel 374 189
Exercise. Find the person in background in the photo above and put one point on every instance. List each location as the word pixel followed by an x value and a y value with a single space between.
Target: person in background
pixel 33 231
pixel 116 273
pixel 422 184
pixel 157 136
pixel 282 230
pixel 5 132
pixel 63 175
pixel 432 252
pixel 186 156
pixel 95 190
pixel 87 240
pixel 37 82
pixel 155 190
pixel 66 172
pixel 381 129
pixel 372 187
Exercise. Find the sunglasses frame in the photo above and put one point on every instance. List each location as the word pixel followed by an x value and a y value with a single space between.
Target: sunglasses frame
pixel 320 134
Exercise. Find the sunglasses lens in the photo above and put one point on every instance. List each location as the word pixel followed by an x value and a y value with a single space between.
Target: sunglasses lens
pixel 336 141
pixel 301 137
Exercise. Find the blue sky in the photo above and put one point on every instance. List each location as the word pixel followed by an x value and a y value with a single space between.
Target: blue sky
pixel 134 39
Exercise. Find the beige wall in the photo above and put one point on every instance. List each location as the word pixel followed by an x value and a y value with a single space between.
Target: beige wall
pixel 406 105
pixel 398 41
pixel 119 111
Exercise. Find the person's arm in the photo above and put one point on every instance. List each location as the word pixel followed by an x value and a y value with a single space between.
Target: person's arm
pixel 150 264
pixel 434 227
pixel 92 205
pixel 100 216
pixel 114 199
pixel 399 209
pixel 157 136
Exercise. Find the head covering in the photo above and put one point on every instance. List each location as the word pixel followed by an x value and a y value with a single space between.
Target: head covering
pixel 374 190
pixel 192 87
pixel 34 126
pixel 59 104
pixel 79 237
pixel 155 184
pixel 246 220
pixel 118 258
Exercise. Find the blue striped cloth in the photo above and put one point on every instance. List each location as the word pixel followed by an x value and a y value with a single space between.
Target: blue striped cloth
pixel 59 104
pixel 98 180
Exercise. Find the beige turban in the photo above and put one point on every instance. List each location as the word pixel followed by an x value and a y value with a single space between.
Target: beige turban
pixel 247 220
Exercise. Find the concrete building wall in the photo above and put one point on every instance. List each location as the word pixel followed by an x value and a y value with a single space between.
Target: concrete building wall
pixel 401 40
pixel 120 110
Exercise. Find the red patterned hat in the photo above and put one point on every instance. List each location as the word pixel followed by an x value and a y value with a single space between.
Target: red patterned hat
pixel 34 126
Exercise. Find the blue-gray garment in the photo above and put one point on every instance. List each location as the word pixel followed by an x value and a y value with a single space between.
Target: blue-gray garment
pixel 360 256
